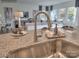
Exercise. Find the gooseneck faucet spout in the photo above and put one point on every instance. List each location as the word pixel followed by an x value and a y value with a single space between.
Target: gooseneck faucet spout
pixel 35 20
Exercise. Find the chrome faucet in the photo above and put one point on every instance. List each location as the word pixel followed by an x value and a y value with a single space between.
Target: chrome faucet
pixel 35 20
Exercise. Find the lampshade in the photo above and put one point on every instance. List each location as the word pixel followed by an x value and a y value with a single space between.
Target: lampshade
pixel 19 14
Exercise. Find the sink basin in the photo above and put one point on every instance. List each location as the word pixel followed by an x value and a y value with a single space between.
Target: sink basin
pixel 45 49
pixel 70 50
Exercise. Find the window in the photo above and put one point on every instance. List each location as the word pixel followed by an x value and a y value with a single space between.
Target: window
pixel 47 8
pixel 54 15
pixel 40 7
pixel 26 14
pixel 51 7
pixel 8 12
pixel 58 16
pixel 43 17
pixel 71 15
pixel 61 15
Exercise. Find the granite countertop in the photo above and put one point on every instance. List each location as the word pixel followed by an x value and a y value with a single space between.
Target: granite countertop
pixel 8 43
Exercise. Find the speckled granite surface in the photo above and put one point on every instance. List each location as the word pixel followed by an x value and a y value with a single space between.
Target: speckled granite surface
pixel 8 43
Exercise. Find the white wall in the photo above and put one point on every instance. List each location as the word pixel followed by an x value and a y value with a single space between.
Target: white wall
pixel 64 4
pixel 16 7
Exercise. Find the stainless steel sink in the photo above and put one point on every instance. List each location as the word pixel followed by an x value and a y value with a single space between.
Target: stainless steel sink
pixel 70 50
pixel 45 49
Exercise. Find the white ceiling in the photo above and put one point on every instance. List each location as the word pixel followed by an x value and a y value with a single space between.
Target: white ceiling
pixel 41 1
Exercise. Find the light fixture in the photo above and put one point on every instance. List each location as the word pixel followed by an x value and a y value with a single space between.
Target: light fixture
pixel 19 14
